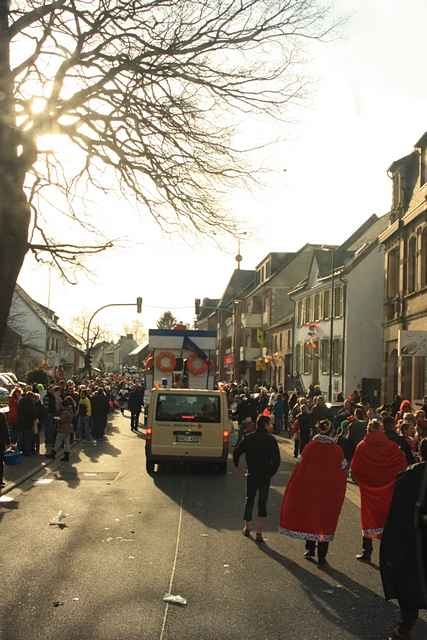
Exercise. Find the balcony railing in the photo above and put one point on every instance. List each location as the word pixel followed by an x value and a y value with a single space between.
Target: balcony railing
pixel 251 320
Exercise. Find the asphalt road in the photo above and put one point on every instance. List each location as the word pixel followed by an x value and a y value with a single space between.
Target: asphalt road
pixel 130 538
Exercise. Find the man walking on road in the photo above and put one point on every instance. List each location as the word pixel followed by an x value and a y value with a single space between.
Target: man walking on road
pixel 135 402
pixel 263 460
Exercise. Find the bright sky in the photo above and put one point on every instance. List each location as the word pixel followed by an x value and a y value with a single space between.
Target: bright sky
pixel 367 108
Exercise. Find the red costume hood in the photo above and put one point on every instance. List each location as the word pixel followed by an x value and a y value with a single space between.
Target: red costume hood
pixel 376 463
pixel 315 492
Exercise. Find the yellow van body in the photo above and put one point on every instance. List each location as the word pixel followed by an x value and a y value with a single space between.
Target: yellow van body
pixel 187 425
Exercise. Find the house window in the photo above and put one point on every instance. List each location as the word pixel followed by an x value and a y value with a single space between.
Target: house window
pixel 280 341
pixel 317 307
pixel 289 341
pixel 298 358
pixel 307 357
pixel 423 172
pixel 424 258
pixel 275 343
pixel 337 356
pixel 393 273
pixel 307 314
pixel 396 190
pixel 299 313
pixel 326 304
pixel 419 380
pixel 338 302
pixel 412 265
pixel 324 356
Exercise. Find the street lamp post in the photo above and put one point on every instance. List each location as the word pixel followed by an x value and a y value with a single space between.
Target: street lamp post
pixel 331 334
pixel 138 305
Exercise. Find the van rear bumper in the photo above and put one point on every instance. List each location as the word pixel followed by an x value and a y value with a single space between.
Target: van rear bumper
pixel 157 459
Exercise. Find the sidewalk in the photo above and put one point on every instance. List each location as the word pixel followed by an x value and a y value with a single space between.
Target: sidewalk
pixel 15 475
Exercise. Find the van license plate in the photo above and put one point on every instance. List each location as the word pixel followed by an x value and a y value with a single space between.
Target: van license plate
pixel 185 438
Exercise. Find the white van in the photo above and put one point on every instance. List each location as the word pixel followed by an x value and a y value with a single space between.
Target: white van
pixel 187 425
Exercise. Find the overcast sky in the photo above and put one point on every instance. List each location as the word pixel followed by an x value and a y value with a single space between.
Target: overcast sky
pixel 366 109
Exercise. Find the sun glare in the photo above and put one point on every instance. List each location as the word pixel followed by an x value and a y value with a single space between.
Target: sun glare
pixel 38 105
pixel 51 142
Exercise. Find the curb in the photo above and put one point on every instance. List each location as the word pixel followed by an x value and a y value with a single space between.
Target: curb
pixel 52 464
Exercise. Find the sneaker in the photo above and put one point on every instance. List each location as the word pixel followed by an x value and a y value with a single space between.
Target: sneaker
pixel 364 557
pixel 246 532
pixel 2 484
pixel 309 555
pixel 259 539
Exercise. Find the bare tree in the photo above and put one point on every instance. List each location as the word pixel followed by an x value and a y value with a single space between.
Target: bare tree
pixel 147 93
pixel 97 333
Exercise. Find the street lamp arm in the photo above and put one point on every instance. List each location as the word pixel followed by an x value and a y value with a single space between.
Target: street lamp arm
pixel 105 306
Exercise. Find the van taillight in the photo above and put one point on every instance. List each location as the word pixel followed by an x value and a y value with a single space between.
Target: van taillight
pixel 148 433
pixel 226 435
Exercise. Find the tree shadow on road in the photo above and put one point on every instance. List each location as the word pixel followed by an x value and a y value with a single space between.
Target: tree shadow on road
pixel 349 604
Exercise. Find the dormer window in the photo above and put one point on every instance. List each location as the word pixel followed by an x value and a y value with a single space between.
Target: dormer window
pixel 423 169
pixel 397 189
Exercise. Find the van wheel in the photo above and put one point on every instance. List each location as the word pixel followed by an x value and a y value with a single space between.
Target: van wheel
pixel 149 465
pixel 222 469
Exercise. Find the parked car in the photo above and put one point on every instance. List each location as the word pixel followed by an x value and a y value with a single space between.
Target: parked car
pixel 6 382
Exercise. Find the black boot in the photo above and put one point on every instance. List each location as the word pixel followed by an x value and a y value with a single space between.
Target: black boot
pixel 366 554
pixel 50 455
pixel 66 457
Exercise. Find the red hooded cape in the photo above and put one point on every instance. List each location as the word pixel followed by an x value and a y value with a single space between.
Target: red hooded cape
pixel 376 463
pixel 315 492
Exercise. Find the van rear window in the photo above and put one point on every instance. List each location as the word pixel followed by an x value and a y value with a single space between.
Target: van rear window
pixel 187 408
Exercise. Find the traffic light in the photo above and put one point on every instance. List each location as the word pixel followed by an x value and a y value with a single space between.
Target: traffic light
pixel 139 304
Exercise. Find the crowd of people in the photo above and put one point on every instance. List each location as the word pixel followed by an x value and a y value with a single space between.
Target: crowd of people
pixel 65 411
pixel 382 450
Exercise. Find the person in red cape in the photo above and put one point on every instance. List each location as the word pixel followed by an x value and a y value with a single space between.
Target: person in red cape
pixel 376 463
pixel 315 494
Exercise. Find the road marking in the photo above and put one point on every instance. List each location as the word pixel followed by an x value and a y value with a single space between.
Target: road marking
pixel 175 561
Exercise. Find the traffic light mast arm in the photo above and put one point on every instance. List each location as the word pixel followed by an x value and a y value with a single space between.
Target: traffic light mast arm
pixel 138 305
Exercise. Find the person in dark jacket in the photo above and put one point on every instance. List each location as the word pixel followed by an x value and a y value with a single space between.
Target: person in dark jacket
pixel 403 553
pixel 305 426
pixel 402 443
pixel 25 422
pixel 262 460
pixel 135 402
pixel 4 443
pixel 99 404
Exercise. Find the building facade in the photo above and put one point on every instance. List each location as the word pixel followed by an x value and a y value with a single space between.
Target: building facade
pixel 405 268
pixel 339 314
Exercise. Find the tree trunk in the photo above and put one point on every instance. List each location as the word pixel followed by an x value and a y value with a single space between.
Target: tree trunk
pixel 14 222
pixel 14 211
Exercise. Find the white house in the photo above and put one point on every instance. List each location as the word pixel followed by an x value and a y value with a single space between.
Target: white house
pixel 352 322
pixel 43 339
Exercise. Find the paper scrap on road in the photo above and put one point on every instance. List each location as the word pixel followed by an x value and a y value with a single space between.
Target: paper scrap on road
pixel 330 591
pixel 58 603
pixel 131 557
pixel 226 566
pixel 76 599
pixel 43 481
pixel 168 597
pixel 205 535
pixel 59 521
